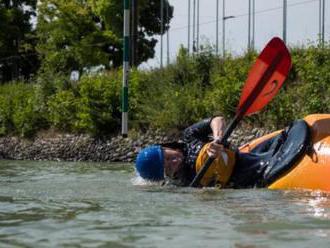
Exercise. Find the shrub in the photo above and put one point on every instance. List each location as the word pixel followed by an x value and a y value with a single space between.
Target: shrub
pixel 5 115
pixel 99 106
pixel 190 89
pixel 19 112
pixel 227 80
pixel 63 108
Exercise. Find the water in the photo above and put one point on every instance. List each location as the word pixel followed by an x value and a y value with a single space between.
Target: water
pixel 55 204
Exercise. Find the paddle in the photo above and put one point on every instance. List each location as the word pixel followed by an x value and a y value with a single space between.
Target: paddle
pixel 264 81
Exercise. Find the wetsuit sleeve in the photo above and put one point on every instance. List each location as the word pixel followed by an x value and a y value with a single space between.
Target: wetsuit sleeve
pixel 200 131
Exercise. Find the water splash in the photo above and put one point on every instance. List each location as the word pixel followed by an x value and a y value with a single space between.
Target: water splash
pixel 139 181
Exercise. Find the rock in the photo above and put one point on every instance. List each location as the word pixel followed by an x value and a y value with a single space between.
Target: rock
pixel 254 131
pixel 250 137
pixel 115 155
pixel 130 155
pixel 85 148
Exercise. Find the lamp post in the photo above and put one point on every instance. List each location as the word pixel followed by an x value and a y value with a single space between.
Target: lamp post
pixel 133 30
pixel 224 18
pixel 167 36
pixel 193 28
pixel 284 19
pixel 217 29
pixel 249 27
pixel 321 21
pixel 161 31
pixel 253 23
pixel 189 11
pixel 197 27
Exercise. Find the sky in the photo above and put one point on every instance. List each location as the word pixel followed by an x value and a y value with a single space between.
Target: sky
pixel 302 25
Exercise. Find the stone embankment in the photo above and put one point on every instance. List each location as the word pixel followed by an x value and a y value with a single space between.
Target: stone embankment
pixel 68 147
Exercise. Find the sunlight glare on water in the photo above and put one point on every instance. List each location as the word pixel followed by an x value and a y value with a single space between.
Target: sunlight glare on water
pixel 56 204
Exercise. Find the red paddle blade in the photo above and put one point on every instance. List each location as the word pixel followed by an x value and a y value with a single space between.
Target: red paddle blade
pixel 266 77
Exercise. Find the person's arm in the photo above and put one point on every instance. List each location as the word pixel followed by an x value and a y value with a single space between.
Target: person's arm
pixel 204 129
pixel 198 131
pixel 218 127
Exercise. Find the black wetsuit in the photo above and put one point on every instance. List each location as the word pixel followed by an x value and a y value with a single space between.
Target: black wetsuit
pixel 246 172
pixel 259 168
pixel 194 138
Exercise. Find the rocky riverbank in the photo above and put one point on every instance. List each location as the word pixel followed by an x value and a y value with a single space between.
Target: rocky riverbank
pixel 68 147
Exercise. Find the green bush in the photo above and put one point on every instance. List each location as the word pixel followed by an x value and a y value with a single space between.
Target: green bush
pixel 19 112
pixel 226 84
pixel 172 97
pixel 99 103
pixel 5 115
pixel 173 105
pixel 63 108
pixel 191 88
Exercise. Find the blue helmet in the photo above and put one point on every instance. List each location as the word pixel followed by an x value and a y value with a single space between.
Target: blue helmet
pixel 150 163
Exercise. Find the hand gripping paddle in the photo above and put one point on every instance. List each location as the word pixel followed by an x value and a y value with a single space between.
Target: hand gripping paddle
pixel 264 81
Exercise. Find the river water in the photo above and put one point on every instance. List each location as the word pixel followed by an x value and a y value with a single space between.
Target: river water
pixel 57 204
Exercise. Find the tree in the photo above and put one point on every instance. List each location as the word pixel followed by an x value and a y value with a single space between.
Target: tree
pixel 17 39
pixel 75 34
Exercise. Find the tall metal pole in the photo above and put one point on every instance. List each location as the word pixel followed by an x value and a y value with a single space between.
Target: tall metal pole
pixel 249 27
pixel 167 35
pixel 217 29
pixel 124 126
pixel 189 11
pixel 223 27
pixel 323 21
pixel 253 23
pixel 320 22
pixel 197 35
pixel 284 20
pixel 194 25
pixel 134 22
pixel 161 31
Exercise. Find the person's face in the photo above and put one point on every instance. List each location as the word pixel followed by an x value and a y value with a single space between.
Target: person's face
pixel 172 161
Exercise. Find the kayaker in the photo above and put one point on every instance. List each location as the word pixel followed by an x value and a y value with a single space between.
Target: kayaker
pixel 178 161
pixel 260 167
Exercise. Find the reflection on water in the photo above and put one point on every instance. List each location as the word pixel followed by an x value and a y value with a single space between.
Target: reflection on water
pixel 53 204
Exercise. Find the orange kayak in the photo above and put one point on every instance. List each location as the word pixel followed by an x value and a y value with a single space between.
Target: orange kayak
pixel 312 169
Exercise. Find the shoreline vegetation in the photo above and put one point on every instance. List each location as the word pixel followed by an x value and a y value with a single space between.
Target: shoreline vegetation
pixel 167 100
